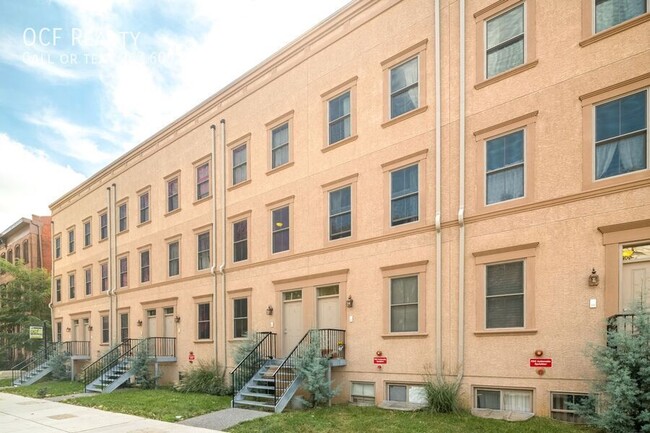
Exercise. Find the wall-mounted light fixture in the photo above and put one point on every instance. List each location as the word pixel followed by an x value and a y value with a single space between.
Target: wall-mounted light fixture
pixel 177 319
pixel 269 310
pixel 90 327
pixel 139 322
pixel 349 302
pixel 594 279
pixel 67 329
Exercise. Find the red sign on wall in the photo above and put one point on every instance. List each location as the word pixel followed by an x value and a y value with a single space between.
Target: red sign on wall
pixel 191 357
pixel 541 362
pixel 380 360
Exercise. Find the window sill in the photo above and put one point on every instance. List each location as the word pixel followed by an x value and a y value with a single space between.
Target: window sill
pixel 616 29
pixel 144 223
pixel 203 341
pixel 123 232
pixel 85 247
pixel 339 143
pixel 405 335
pixel 201 200
pixel 404 116
pixel 239 185
pixel 280 168
pixel 236 340
pixel 70 254
pixel 103 240
pixel 239 263
pixel 177 210
pixel 506 74
pixel 503 331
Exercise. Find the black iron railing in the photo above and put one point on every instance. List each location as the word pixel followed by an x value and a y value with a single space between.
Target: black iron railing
pixel 246 369
pixel 161 347
pixel 29 365
pixel 332 345
pixel 76 348
pixel 619 323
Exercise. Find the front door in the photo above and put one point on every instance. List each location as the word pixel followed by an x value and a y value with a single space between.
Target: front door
pixel 75 329
pixel 84 330
pixel 635 281
pixel 152 325
pixel 169 326
pixel 329 310
pixel 291 320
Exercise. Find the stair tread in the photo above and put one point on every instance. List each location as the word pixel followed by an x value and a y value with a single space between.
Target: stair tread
pixel 257 395
pixel 254 403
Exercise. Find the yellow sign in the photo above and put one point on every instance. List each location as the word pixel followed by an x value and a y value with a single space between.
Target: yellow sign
pixel 36 332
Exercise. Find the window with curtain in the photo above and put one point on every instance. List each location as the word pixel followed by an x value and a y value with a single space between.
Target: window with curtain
pixel 203 250
pixel 87 239
pixel 504 171
pixel 105 333
pixel 57 248
pixel 104 271
pixel 103 226
pixel 609 13
pixel 124 326
pixel 404 200
pixel 71 245
pixel 281 229
pixel 145 269
pixel 57 289
pixel 172 195
pixel 124 276
pixel 88 281
pixel 122 217
pixel 202 181
pixel 174 259
pixel 239 164
pixel 621 136
pixel 504 399
pixel 404 304
pixel 144 207
pixel 280 145
pixel 240 241
pixel 504 292
pixel 504 41
pixel 339 118
pixel 340 219
pixel 404 87
pixel 71 286
pixel 240 317
pixel 203 332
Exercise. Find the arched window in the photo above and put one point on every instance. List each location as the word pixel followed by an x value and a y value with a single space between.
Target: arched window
pixel 10 256
pixel 26 252
pixel 17 253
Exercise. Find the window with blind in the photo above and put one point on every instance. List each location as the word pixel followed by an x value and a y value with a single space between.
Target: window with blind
pixel 239 164
pixel 203 331
pixel 203 181
pixel 504 167
pixel 240 241
pixel 174 266
pixel 203 250
pixel 363 393
pixel 404 87
pixel 504 399
pixel 404 195
pixel 280 145
pixel 563 409
pixel 339 119
pixel 504 293
pixel 340 218
pixel 404 304
pixel 609 13
pixel 504 41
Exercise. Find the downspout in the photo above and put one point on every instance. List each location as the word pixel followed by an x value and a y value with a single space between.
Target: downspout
pixel 461 202
pixel 109 217
pixel 436 24
pixel 222 267
pixel 213 269
pixel 113 312
pixel 53 294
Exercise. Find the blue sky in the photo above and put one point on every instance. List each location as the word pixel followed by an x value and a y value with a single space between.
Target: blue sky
pixel 83 81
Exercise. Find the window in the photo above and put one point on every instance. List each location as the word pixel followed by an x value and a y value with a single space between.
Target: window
pixel 239 164
pixel 124 326
pixel 71 245
pixel 280 229
pixel 240 317
pixel 145 275
pixel 124 268
pixel 404 304
pixel 621 137
pixel 104 272
pixel 504 293
pixel 280 145
pixel 240 241
pixel 203 250
pixel 404 87
pixel 87 234
pixel 57 248
pixel 172 194
pixel 407 393
pixel 504 41
pixel 57 289
pixel 144 207
pixel 105 333
pixel 609 13
pixel 340 218
pixel 562 409
pixel 17 253
pixel 203 181
pixel 26 252
pixel 59 332
pixel 122 211
pixel 10 258
pixel 504 399
pixel 339 118
pixel 404 197
pixel 363 393
pixel 203 331
pixel 103 226
pixel 88 281
pixel 71 287
pixel 635 276
pixel 173 259
pixel 504 167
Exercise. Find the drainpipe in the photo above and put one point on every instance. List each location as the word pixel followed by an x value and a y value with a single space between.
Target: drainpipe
pixel 222 267
pixel 109 217
pixel 53 294
pixel 461 203
pixel 213 268
pixel 436 24
pixel 113 312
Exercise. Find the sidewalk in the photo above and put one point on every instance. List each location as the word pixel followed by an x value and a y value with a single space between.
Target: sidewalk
pixel 26 415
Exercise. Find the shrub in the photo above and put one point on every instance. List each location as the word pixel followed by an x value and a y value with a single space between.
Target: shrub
pixel 442 394
pixel 41 393
pixel 625 389
pixel 206 377
pixel 140 366
pixel 60 367
pixel 313 368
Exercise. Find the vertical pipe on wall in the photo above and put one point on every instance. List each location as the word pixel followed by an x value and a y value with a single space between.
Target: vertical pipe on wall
pixel 52 291
pixel 222 267
pixel 438 69
pixel 213 269
pixel 113 312
pixel 461 202
pixel 109 218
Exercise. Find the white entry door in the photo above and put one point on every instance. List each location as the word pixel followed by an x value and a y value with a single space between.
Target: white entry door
pixel 329 309
pixel 291 320
pixel 75 329
pixel 84 330
pixel 635 281
pixel 152 325
pixel 169 326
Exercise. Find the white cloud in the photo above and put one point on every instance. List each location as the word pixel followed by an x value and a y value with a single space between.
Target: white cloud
pixel 30 181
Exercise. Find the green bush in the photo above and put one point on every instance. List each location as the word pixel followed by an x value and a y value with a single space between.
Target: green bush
pixel 41 393
pixel 206 377
pixel 442 394
pixel 313 368
pixel 141 371
pixel 60 367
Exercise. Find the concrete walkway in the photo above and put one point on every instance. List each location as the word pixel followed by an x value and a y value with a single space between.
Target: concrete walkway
pixel 224 419
pixel 29 415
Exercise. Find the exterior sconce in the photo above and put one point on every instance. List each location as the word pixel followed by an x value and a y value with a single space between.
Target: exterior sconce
pixel 349 302
pixel 139 322
pixel 269 310
pixel 594 279
pixel 67 329
pixel 177 319
pixel 90 328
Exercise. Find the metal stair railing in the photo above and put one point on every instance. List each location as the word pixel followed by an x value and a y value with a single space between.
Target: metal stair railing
pixel 250 365
pixel 109 360
pixel 620 323
pixel 24 368
pixel 76 348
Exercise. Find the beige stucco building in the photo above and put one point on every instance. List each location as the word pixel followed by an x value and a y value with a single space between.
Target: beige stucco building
pixel 436 178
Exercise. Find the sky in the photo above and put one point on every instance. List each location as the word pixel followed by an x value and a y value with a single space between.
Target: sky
pixel 84 81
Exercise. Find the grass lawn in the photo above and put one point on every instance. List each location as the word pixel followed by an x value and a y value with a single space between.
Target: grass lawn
pixel 161 404
pixel 53 388
pixel 5 382
pixel 371 419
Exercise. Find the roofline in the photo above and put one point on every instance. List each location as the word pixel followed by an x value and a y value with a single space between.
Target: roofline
pixel 15 226
pixel 291 50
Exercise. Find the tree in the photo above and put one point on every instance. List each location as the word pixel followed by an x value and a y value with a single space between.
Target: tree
pixel 313 368
pixel 625 388
pixel 24 302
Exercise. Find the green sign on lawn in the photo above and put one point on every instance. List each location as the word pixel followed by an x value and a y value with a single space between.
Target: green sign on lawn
pixel 36 332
